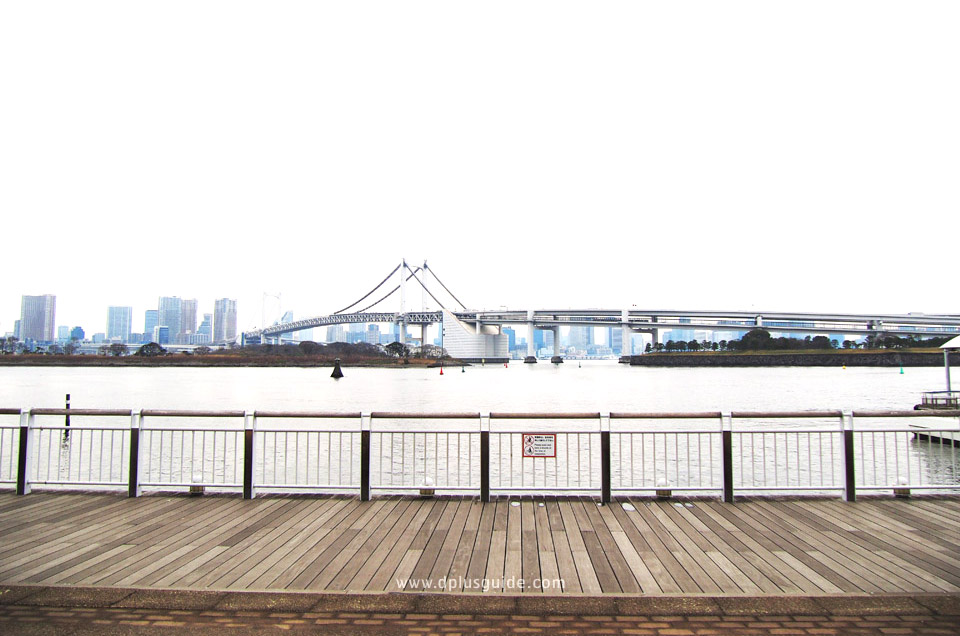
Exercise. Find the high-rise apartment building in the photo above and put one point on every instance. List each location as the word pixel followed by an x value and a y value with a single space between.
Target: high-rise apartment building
pixel 161 334
pixel 169 314
pixel 151 318
pixel 615 339
pixel 119 323
pixel 225 320
pixel 188 318
pixel 206 327
pixel 37 316
pixel 336 333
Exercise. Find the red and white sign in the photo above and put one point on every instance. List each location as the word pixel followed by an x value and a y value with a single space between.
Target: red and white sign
pixel 539 444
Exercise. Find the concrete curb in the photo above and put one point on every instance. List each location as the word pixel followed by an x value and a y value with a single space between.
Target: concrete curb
pixel 939 604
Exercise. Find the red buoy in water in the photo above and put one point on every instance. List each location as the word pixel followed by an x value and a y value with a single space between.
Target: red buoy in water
pixel 441 369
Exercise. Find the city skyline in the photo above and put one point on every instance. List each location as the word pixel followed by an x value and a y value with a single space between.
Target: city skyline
pixel 752 156
pixel 176 316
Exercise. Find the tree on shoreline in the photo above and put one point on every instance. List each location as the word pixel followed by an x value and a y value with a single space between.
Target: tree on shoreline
pixel 760 339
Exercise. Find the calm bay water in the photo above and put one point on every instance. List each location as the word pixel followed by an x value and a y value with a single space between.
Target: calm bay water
pixel 402 458
pixel 594 386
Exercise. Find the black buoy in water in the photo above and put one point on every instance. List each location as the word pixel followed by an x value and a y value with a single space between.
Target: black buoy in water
pixel 462 370
pixel 337 373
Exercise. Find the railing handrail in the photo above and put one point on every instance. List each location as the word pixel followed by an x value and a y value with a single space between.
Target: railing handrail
pixel 811 414
pixel 177 413
pixel 391 415
pixel 545 416
pixel 921 413
pixel 319 415
pixel 666 416
pixel 90 412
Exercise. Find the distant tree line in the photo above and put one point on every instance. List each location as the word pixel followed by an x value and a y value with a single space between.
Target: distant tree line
pixel 760 340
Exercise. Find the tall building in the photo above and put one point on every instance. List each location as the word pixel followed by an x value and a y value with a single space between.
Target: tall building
pixel 63 334
pixel 225 320
pixel 511 337
pixel 188 318
pixel 119 323
pixel 151 318
pixel 161 334
pixel 581 337
pixel 615 339
pixel 206 327
pixel 37 316
pixel 356 333
pixel 335 333
pixel 542 339
pixel 170 314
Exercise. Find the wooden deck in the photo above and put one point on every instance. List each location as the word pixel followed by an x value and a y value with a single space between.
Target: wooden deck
pixel 756 546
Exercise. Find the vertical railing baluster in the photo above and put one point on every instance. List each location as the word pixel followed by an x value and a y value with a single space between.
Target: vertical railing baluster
pixel 726 438
pixel 133 480
pixel 605 458
pixel 484 457
pixel 249 427
pixel 365 426
pixel 850 484
pixel 23 466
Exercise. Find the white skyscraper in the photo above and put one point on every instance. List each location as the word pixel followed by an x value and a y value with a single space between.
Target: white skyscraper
pixel 119 323
pixel 225 320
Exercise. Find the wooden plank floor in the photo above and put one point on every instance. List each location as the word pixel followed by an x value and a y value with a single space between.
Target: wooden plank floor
pixel 756 546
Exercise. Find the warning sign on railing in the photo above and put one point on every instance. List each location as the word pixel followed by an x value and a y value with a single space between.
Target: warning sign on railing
pixel 539 444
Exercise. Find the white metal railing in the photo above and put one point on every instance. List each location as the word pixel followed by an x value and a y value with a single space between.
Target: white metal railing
pixel 9 442
pixel 409 452
pixel 84 448
pixel 191 449
pixel 305 452
pixel 915 457
pixel 824 451
pixel 573 467
pixel 648 454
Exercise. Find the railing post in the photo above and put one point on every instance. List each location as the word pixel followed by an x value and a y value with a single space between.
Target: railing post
pixel 365 425
pixel 726 438
pixel 605 458
pixel 484 458
pixel 134 478
pixel 23 463
pixel 849 467
pixel 249 427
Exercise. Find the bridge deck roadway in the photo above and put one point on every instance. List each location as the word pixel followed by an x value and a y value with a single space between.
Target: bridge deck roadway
pixel 805 556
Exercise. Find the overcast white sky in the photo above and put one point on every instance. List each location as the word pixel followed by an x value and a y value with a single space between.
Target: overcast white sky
pixel 732 155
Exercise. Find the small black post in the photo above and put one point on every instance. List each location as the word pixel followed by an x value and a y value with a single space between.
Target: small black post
pixel 23 487
pixel 849 467
pixel 605 466
pixel 726 437
pixel 485 466
pixel 66 418
pixel 365 465
pixel 134 476
pixel 248 456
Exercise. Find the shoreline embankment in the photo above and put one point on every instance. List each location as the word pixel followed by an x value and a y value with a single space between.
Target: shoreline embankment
pixel 796 359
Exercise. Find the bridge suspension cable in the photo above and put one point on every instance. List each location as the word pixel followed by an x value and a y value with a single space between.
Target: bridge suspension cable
pixel 390 293
pixel 432 273
pixel 367 295
pixel 414 274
